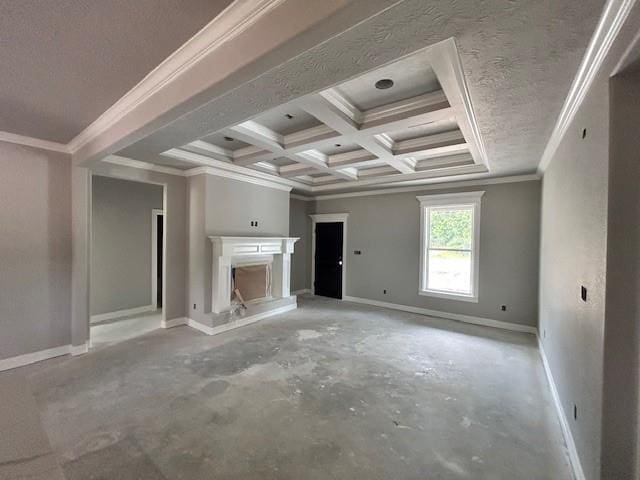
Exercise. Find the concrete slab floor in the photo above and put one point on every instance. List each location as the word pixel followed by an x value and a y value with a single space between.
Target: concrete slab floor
pixel 331 390
pixel 124 328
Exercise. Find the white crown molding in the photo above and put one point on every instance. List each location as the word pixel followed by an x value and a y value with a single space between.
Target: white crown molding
pixel 230 23
pixel 301 197
pixel 129 162
pixel 230 170
pixel 237 176
pixel 33 142
pixel 438 186
pixel 614 16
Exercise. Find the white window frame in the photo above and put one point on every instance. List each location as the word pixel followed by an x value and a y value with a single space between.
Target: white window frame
pixel 452 200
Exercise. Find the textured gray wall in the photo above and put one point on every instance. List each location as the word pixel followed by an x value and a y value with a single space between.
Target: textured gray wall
pixel 386 229
pixel 121 243
pixel 35 250
pixel 620 410
pixel 175 216
pixel 228 209
pixel 572 254
pixel 300 226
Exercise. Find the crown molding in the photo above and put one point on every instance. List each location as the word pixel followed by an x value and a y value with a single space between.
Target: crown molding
pixel 33 142
pixel 437 186
pixel 301 197
pixel 236 176
pixel 611 21
pixel 230 23
pixel 152 167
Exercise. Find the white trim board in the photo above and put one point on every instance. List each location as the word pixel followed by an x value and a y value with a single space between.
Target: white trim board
pixel 29 358
pixel 231 22
pixel 486 322
pixel 433 186
pixel 33 142
pixel 174 322
pixel 239 323
pixel 120 313
pixel 564 422
pixel 301 292
pixel 329 218
pixel 614 16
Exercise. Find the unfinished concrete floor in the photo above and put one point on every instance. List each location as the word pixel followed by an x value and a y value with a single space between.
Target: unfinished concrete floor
pixel 332 390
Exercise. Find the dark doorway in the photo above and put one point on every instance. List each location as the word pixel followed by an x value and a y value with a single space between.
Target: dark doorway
pixel 328 261
pixel 159 238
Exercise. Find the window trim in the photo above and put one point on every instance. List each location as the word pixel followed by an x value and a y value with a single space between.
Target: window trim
pixel 473 199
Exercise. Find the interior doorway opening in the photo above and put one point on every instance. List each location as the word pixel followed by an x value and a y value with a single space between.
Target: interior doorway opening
pixel 127 259
pixel 329 255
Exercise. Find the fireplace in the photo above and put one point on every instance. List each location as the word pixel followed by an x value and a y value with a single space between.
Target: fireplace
pixel 259 267
pixel 251 283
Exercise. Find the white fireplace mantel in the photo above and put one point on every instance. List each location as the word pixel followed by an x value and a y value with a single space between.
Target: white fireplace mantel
pixel 227 250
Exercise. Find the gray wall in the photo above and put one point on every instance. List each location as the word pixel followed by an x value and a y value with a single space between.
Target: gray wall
pixel 175 217
pixel 121 243
pixel 300 226
pixel 222 206
pixel 572 254
pixel 35 250
pixel 620 410
pixel 386 229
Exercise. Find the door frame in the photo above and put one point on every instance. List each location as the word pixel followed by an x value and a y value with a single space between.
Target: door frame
pixel 329 218
pixel 154 255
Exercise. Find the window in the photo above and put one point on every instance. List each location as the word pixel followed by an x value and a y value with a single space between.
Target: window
pixel 450 239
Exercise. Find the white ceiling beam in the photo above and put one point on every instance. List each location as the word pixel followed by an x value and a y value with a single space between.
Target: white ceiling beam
pixel 258 135
pixel 210 150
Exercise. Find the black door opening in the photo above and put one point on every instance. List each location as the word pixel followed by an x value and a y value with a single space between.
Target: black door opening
pixel 328 261
pixel 159 260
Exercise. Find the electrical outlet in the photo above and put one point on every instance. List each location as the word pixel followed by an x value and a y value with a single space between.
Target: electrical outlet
pixel 503 308
pixel 194 306
pixel 384 291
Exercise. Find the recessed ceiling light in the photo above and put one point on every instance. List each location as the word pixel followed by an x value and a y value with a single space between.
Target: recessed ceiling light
pixel 288 115
pixel 384 84
pixel 228 139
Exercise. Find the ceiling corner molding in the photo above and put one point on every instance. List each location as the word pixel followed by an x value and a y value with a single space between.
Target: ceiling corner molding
pixel 129 162
pixel 230 23
pixel 301 197
pixel 33 142
pixel 609 25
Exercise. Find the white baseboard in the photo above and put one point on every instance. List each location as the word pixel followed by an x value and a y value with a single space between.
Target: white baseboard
pixel 79 349
pixel 121 313
pixel 487 322
pixel 29 358
pixel 301 292
pixel 174 322
pixel 564 422
pixel 239 323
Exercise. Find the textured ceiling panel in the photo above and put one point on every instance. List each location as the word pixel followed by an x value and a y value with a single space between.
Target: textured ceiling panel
pixel 64 63
pixel 519 58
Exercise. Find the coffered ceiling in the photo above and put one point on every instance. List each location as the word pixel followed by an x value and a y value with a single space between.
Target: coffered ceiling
pixel 408 120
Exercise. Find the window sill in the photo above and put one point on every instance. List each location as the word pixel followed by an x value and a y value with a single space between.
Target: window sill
pixel 449 296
